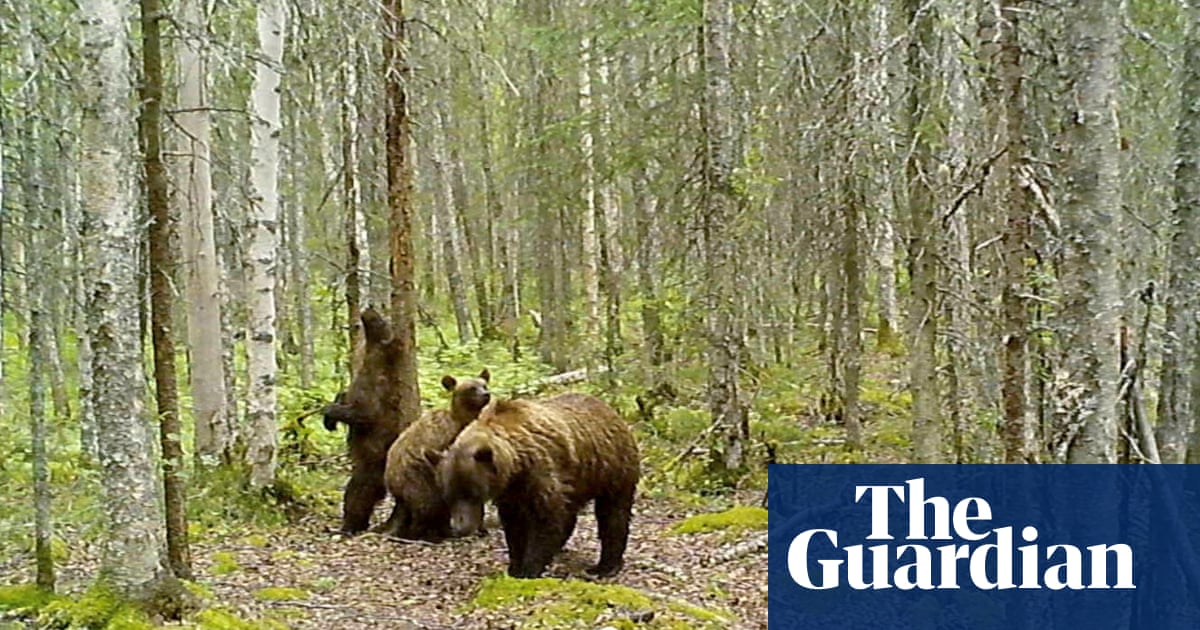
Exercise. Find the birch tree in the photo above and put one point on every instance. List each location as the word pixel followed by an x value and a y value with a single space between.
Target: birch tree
pixel 133 554
pixel 264 240
pixel 213 422
pixel 1091 203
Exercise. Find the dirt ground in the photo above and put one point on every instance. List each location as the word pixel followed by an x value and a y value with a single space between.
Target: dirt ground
pixel 372 582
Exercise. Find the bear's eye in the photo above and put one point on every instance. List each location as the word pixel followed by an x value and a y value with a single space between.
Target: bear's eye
pixel 484 456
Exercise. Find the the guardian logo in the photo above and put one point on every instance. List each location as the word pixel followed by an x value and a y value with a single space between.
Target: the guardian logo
pixel 974 554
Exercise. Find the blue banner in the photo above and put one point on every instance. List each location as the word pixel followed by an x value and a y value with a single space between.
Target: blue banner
pixel 984 546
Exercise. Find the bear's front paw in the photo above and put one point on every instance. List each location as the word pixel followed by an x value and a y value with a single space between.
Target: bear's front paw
pixel 524 572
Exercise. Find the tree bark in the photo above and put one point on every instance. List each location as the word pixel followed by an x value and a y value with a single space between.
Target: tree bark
pixel 553 294
pixel 922 241
pixel 505 308
pixel 399 195
pixel 264 220
pixel 133 556
pixel 38 345
pixel 213 421
pixel 612 256
pixel 358 259
pixel 1016 244
pixel 647 245
pixel 162 268
pixel 1091 303
pixel 447 225
pixel 467 229
pixel 720 213
pixel 590 241
pixel 1177 399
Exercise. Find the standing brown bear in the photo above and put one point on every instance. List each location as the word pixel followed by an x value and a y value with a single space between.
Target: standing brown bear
pixel 420 511
pixel 370 407
pixel 541 462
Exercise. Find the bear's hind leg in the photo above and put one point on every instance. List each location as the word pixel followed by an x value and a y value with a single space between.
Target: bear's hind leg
pixel 395 522
pixel 363 491
pixel 612 518
pixel 566 533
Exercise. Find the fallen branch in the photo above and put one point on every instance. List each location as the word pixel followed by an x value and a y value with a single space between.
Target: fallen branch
pixel 558 380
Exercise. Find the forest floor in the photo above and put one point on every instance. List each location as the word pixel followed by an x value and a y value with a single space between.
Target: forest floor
pixel 302 576
pixel 373 582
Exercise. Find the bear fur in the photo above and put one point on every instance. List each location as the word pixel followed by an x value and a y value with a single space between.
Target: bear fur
pixel 420 512
pixel 541 462
pixel 370 408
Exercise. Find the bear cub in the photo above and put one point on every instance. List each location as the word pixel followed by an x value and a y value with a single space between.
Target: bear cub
pixel 420 511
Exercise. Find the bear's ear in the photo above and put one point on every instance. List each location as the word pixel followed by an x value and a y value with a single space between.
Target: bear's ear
pixel 448 382
pixel 433 457
pixel 484 455
pixel 485 375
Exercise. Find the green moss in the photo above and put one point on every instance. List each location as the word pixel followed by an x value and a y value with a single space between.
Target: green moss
pixel 200 591
pixel 98 607
pixel 256 540
pixel 24 597
pixel 324 584
pixel 221 619
pixel 558 603
pixel 224 563
pixel 740 518
pixel 129 618
pixel 280 594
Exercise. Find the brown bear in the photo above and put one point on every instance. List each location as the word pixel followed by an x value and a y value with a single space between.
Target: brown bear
pixel 420 512
pixel 541 462
pixel 370 408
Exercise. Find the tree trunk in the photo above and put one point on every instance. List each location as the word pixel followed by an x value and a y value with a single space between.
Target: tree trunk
pixel 1091 303
pixel 451 246
pixel 852 291
pixel 720 213
pixel 399 195
pixel 358 259
pixel 162 268
pixel 553 299
pixel 133 558
pixel 496 240
pixel 264 220
pixel 1177 401
pixel 469 249
pixel 647 245
pixel 213 422
pixel 612 256
pixel 922 240
pixel 38 347
pixel 590 242
pixel 1016 245
pixel 297 247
